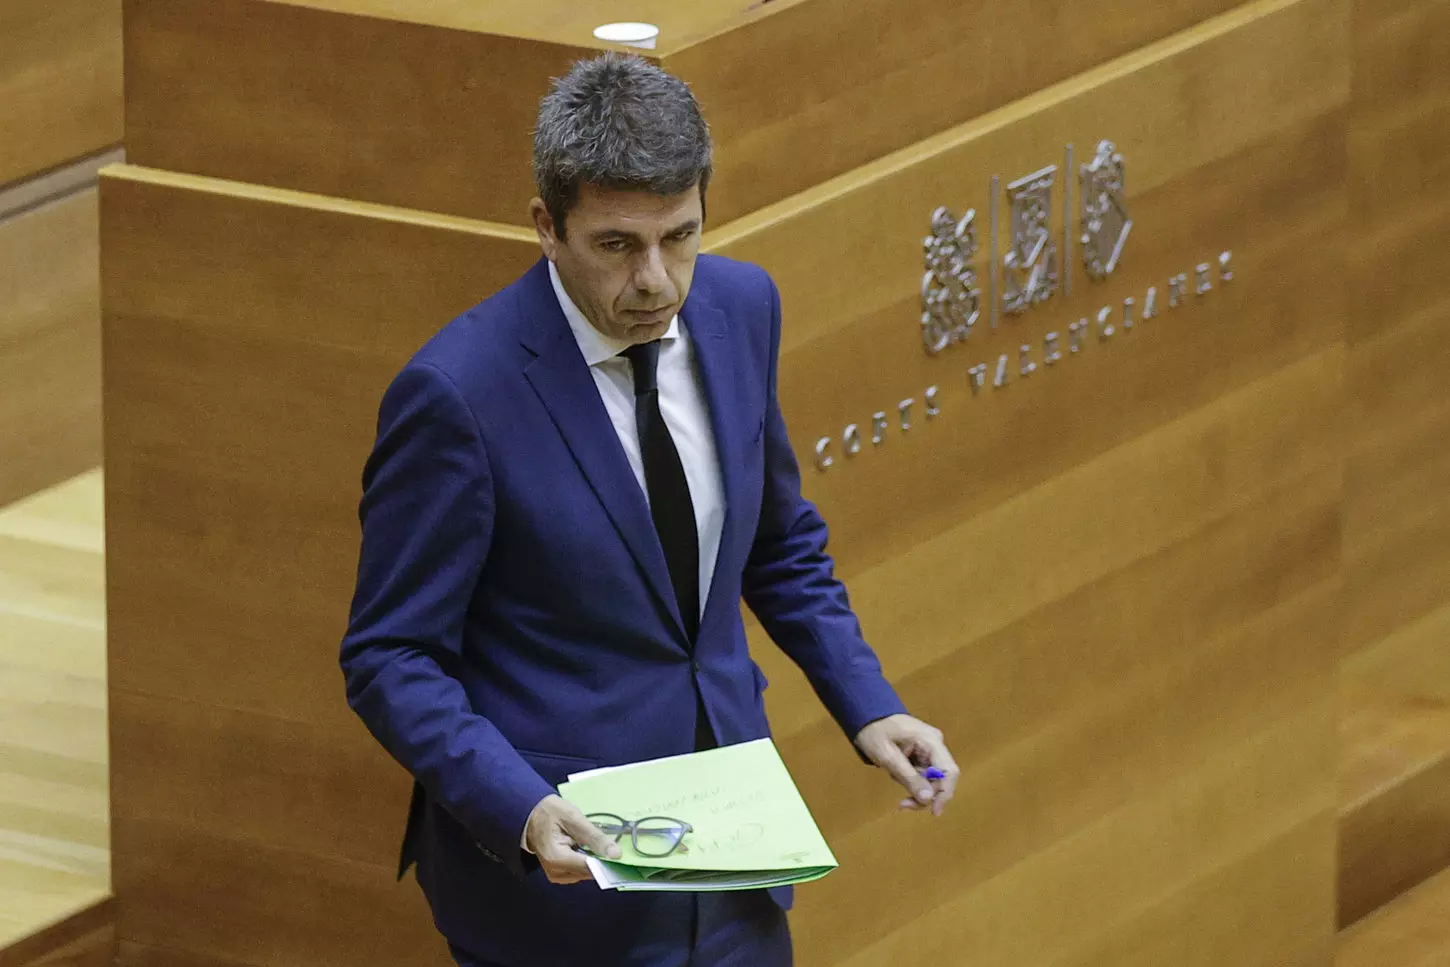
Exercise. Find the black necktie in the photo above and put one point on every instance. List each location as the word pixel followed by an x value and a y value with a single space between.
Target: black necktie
pixel 669 493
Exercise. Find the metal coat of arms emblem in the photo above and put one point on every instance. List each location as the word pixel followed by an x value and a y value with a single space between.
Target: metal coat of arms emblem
pixel 1105 220
pixel 1030 270
pixel 950 300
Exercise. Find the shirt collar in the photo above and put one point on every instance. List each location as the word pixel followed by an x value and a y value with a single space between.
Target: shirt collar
pixel 594 345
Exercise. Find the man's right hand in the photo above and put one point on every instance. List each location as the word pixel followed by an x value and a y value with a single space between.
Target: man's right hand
pixel 555 827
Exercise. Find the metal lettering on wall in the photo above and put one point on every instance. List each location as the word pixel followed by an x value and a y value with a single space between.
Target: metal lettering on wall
pixel 950 301
pixel 1029 269
pixel 1031 274
pixel 1105 221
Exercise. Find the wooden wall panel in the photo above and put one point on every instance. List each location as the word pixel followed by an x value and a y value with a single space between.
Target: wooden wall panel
pixel 60 82
pixel 852 347
pixel 132 954
pixel 50 419
pixel 833 84
pixel 1070 750
pixel 271 906
pixel 277 94
pixel 1395 777
pixel 1117 584
pixel 1094 520
pixel 1022 561
pixel 221 328
pixel 341 98
pixel 1061 905
pixel 255 778
pixel 1397 512
pixel 1412 661
pixel 249 335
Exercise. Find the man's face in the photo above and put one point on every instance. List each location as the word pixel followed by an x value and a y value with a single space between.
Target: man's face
pixel 628 259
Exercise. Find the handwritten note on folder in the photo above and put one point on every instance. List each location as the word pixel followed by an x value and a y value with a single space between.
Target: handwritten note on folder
pixel 749 827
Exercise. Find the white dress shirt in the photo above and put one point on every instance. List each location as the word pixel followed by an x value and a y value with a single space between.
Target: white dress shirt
pixel 683 405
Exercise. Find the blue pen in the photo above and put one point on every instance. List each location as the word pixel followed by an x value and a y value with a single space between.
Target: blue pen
pixel 932 772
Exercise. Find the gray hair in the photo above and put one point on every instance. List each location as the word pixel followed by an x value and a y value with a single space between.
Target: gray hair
pixel 617 121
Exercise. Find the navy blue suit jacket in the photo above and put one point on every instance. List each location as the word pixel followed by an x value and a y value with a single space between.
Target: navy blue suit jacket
pixel 514 619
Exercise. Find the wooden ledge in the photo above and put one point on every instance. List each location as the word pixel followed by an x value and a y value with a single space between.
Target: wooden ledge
pixel 1394 788
pixel 1411 931
pixel 85 938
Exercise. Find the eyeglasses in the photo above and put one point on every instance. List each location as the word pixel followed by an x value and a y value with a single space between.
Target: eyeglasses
pixel 653 836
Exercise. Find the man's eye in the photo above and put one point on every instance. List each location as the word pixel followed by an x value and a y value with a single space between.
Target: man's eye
pixel 681 236
pixel 616 245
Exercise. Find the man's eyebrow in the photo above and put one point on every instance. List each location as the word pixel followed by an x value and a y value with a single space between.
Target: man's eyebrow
pixel 607 234
pixel 610 233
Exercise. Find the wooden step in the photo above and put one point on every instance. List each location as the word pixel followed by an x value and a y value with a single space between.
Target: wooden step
pixel 1413 930
pixel 1394 781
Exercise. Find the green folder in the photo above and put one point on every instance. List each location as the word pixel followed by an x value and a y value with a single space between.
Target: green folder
pixel 749 827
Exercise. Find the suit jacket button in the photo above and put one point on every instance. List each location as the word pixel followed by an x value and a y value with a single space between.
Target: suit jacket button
pixel 696 666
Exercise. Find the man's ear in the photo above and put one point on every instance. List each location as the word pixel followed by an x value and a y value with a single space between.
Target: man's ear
pixel 544 226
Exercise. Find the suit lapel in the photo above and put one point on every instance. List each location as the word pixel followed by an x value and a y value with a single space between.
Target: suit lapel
pixel 565 386
pixel 714 355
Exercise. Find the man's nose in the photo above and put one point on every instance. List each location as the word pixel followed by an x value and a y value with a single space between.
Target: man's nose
pixel 649 275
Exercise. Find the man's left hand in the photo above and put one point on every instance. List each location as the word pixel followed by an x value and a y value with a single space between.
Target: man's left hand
pixel 903 746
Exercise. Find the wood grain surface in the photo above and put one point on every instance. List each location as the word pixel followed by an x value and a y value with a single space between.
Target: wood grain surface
pixel 419 105
pixel 1117 584
pixel 1394 824
pixel 1398 506
pixel 1412 931
pixel 563 21
pixel 60 82
pixel 54 842
pixel 50 345
pixel 249 330
pixel 1395 683
pixel 86 939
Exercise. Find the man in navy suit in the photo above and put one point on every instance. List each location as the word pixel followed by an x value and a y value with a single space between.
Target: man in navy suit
pixel 574 485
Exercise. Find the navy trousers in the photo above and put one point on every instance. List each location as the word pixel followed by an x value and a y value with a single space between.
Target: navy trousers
pixel 734 929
